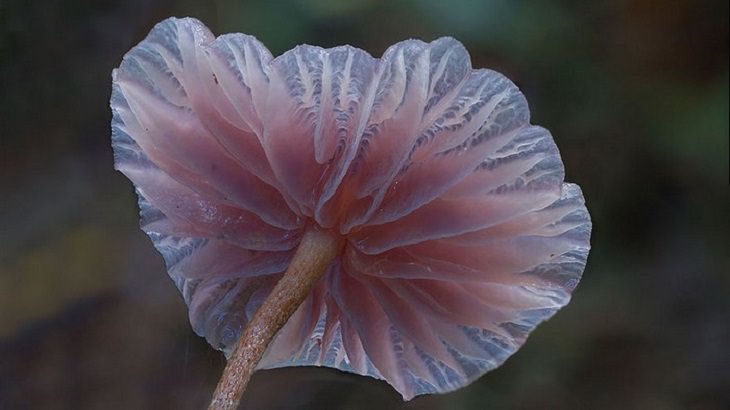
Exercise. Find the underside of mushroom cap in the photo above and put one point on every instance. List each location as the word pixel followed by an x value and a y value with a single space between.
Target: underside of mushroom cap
pixel 461 236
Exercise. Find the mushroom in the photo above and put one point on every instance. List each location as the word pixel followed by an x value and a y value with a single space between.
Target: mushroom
pixel 397 218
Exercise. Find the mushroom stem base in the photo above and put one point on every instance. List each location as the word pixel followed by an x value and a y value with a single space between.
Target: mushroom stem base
pixel 316 251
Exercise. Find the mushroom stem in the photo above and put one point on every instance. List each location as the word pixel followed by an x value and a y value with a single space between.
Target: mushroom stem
pixel 316 251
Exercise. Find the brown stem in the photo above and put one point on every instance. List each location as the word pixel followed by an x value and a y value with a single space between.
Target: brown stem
pixel 315 253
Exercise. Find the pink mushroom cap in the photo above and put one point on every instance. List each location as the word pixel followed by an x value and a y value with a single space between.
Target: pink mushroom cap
pixel 461 236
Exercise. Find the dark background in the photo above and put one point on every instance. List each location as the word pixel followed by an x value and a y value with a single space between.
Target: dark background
pixel 635 93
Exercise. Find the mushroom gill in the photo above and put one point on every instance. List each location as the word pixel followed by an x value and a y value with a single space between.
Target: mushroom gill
pixel 447 231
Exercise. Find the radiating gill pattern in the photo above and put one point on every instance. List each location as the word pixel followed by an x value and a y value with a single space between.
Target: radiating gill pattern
pixel 461 236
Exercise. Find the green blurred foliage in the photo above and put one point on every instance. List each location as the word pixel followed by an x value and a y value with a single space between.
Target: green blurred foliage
pixel 635 93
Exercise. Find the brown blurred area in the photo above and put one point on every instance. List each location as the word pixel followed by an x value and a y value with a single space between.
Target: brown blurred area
pixel 635 93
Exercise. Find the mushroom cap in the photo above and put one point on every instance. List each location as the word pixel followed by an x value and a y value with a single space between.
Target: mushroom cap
pixel 461 236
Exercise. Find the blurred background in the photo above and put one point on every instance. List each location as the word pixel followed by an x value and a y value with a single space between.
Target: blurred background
pixel 634 91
